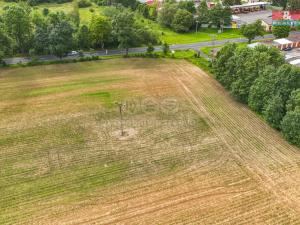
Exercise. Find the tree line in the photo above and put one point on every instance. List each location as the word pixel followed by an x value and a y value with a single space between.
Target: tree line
pixel 287 4
pixel 27 31
pixel 260 78
pixel 182 16
pixel 133 4
pixel 36 2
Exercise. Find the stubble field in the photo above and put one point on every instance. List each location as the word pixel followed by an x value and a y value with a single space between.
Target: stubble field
pixel 190 155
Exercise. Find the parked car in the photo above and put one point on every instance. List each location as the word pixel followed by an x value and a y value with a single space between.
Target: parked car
pixel 287 49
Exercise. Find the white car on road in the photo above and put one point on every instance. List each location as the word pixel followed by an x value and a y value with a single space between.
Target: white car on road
pixel 73 53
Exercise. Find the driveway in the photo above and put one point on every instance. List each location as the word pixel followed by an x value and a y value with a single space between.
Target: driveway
pixel 293 57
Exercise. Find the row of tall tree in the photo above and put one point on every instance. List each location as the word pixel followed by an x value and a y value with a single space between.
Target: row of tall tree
pixel 133 4
pixel 126 3
pixel 260 78
pixel 252 30
pixel 183 15
pixel 23 30
pixel 36 2
pixel 287 4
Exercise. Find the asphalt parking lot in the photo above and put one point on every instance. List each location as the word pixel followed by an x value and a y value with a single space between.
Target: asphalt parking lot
pixel 265 15
pixel 293 57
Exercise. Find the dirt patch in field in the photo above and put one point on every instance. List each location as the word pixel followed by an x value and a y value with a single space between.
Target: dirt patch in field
pixel 126 134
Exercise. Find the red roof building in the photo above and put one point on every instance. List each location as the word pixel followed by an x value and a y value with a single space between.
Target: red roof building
pixel 286 15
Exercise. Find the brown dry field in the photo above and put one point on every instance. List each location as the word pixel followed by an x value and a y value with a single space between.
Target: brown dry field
pixel 195 155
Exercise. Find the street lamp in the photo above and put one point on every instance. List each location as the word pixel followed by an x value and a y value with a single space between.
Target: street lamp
pixel 213 38
pixel 197 22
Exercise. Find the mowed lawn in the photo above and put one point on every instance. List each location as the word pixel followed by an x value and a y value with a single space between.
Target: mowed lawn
pixel 190 153
pixel 203 34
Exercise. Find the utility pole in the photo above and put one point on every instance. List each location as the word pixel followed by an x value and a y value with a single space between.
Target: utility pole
pixel 121 106
pixel 197 26
pixel 222 25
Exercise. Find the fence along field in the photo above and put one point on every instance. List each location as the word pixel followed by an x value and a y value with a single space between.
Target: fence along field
pixel 191 154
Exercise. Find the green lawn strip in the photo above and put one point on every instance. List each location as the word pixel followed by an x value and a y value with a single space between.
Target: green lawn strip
pixel 107 97
pixel 71 86
pixel 205 34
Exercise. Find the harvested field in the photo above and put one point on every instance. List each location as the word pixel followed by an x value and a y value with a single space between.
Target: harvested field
pixel 191 154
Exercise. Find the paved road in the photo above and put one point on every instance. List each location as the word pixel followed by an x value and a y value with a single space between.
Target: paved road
pixel 194 46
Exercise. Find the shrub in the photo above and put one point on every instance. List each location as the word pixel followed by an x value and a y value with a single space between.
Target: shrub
pixel 165 48
pixel 281 31
pixel 150 49
pixel 45 11
pixel 84 3
pixel 182 21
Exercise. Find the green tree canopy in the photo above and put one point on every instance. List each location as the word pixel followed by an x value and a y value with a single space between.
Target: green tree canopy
pixel 203 16
pixel 182 21
pixel 294 4
pixel 127 3
pixel 294 101
pixel 279 82
pixel 83 38
pixel 291 127
pixel 166 14
pixel 60 37
pixel 188 5
pixel 238 68
pixel 232 2
pixel 6 43
pixel 252 30
pixel 291 122
pixel 281 31
pixel 224 65
pixel 274 111
pixel 261 78
pixel 245 73
pixel 220 15
pixel 100 31
pixel 41 36
pixel 260 91
pixel 17 22
pixel 280 3
pixel 124 29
